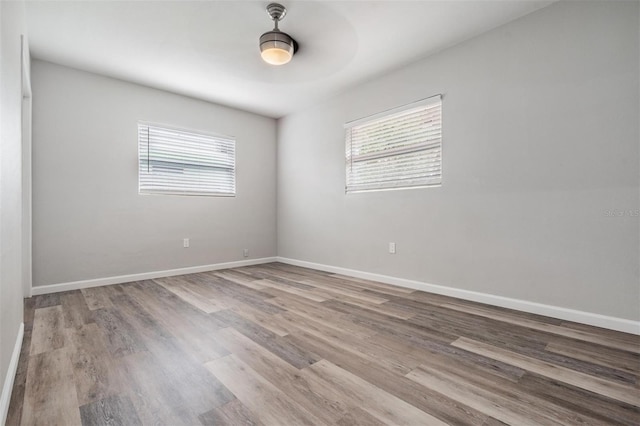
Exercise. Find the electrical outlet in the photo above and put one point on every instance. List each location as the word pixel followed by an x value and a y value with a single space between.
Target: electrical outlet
pixel 245 252
pixel 392 248
pixel 185 243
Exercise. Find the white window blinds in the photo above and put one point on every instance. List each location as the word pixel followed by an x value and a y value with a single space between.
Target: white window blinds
pixel 400 148
pixel 181 162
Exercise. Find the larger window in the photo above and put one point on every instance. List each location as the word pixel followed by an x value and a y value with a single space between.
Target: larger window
pixel 401 148
pixel 182 162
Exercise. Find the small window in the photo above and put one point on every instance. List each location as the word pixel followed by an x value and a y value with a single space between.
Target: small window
pixel 401 148
pixel 182 162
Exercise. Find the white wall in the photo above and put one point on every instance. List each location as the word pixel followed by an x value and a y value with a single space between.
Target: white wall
pixel 89 220
pixel 540 122
pixel 12 26
pixel 26 168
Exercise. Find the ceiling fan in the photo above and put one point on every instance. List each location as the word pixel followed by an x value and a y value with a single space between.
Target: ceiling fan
pixel 277 47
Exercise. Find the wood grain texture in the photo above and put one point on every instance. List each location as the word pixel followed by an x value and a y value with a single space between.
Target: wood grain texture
pixel 279 345
pixel 95 375
pixel 75 311
pixel 232 413
pixel 259 395
pixel 50 395
pixel 283 376
pixel 111 411
pixel 48 332
pixel 628 394
pixel 96 298
pixel 358 392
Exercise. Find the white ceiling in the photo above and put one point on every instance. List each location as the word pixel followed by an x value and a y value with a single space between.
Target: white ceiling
pixel 209 49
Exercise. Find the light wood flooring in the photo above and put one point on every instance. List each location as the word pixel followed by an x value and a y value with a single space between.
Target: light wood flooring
pixel 280 345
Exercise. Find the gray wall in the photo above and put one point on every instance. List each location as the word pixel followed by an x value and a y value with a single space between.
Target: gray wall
pixel 12 26
pixel 89 220
pixel 540 122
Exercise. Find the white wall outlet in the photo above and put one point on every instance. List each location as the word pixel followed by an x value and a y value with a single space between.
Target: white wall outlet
pixel 185 243
pixel 392 248
pixel 245 252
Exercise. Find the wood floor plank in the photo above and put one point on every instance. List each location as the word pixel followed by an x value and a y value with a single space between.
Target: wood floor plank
pixel 166 383
pixel 358 417
pixel 231 288
pixel 315 312
pixel 273 323
pixel 231 275
pixel 48 330
pixel 382 323
pixel 169 344
pixel 390 358
pixel 628 394
pixel 375 401
pixel 96 376
pixel 626 344
pixel 508 411
pixel 182 291
pixel 377 286
pixel 283 376
pixel 114 410
pixel 447 409
pixel 144 323
pixel 515 339
pixel 46 300
pixel 259 395
pixel 200 284
pixel 244 295
pixel 121 338
pixel 29 313
pixel 194 336
pixel 151 295
pixel 96 298
pixel 425 350
pixel 602 409
pixel 507 394
pixel 293 290
pixel 75 310
pixel 271 269
pixel 152 393
pixel 332 290
pixel 50 395
pixel 281 347
pixel 232 413
pixel 383 308
pixel 631 338
pixel 200 390
pixel 478 328
pixel 597 354
pixel 288 279
pixel 276 344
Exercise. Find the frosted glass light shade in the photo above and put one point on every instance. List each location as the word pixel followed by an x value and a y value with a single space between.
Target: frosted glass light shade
pixel 276 56
pixel 276 47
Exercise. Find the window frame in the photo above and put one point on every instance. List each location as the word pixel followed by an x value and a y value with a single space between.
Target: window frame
pixel 203 133
pixel 396 183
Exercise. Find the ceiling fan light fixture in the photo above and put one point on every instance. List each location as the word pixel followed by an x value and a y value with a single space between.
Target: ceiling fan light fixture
pixel 276 47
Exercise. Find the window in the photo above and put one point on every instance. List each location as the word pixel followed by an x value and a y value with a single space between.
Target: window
pixel 182 162
pixel 401 148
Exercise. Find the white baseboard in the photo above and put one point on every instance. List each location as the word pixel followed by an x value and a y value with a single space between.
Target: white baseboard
pixel 76 285
pixel 612 323
pixel 7 387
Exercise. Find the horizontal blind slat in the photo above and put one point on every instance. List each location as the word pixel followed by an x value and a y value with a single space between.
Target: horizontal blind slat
pixel 402 149
pixel 183 162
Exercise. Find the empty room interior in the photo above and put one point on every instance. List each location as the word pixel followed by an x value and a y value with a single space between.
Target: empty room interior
pixel 320 212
